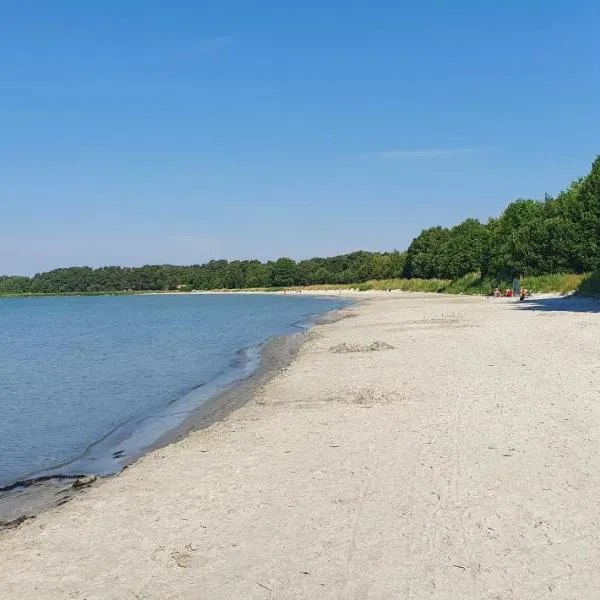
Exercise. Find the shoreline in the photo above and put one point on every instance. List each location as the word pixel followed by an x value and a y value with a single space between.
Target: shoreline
pixel 562 283
pixel 413 450
pixel 27 498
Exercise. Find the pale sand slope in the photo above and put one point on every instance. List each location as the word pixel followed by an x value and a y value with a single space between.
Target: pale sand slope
pixel 464 463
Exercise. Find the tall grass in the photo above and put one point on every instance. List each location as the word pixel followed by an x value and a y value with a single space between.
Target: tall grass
pixel 470 284
pixel 474 284
pixel 561 283
pixel 407 285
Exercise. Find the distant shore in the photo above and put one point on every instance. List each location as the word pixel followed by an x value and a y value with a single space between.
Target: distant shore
pixel 472 284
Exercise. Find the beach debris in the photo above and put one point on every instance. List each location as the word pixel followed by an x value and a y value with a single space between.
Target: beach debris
pixel 15 522
pixel 453 316
pixel 371 396
pixel 364 397
pixel 263 586
pixel 191 547
pixel 345 348
pixel 83 482
pixel 378 346
pixel 182 559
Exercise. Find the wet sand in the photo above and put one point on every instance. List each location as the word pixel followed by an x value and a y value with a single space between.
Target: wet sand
pixel 27 499
pixel 429 447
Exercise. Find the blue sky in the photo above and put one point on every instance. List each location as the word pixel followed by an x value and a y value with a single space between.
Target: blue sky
pixel 137 132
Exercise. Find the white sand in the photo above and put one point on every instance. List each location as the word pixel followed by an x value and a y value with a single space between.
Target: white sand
pixel 464 463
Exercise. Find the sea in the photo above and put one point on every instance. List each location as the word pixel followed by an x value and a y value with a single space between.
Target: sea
pixel 88 383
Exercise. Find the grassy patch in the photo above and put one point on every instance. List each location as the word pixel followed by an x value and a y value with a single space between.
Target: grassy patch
pixel 470 284
pixel 406 285
pixel 473 284
pixel 561 283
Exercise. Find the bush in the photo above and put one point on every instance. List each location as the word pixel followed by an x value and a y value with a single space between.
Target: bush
pixel 590 285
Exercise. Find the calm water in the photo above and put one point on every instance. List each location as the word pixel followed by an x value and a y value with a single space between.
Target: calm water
pixel 87 382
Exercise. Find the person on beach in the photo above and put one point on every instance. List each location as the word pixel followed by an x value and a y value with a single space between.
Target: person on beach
pixel 496 293
pixel 516 286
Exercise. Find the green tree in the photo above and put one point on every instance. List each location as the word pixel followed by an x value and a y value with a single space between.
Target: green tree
pixel 511 247
pixel 462 251
pixel 283 272
pixel 422 256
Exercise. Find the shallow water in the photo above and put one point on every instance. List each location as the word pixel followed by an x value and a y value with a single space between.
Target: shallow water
pixel 87 382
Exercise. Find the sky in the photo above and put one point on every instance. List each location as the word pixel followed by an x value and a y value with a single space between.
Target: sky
pixel 135 132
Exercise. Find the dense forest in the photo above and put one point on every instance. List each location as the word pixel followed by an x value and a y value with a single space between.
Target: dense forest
pixel 535 237
pixel 216 274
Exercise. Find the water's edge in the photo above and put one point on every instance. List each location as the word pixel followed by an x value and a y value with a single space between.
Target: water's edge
pixel 29 497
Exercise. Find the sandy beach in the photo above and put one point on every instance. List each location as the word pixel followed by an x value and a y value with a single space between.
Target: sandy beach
pixel 427 446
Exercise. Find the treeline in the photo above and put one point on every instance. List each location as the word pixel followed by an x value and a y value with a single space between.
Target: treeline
pixel 532 237
pixel 216 274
